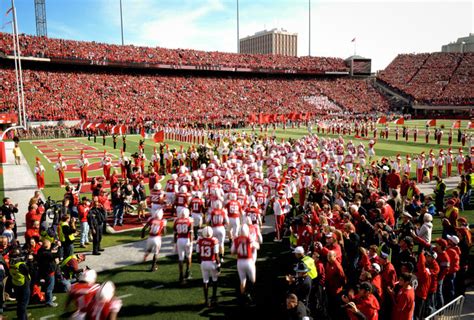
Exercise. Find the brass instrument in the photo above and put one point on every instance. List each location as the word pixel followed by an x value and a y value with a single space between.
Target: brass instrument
pixel 225 142
pixel 239 141
pixel 248 141
pixel 210 144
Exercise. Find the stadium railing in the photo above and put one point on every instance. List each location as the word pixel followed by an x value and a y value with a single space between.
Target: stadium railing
pixel 451 311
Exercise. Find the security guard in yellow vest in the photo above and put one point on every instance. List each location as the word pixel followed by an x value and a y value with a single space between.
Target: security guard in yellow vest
pixel 308 261
pixel 66 230
pixel 70 265
pixel 21 283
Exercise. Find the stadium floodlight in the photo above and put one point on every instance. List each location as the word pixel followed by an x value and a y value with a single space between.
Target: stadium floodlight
pixel 309 27
pixel 40 16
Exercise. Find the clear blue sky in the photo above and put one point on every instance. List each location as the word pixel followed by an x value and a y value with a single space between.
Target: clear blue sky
pixel 382 28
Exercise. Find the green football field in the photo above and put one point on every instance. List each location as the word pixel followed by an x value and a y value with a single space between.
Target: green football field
pixel 158 295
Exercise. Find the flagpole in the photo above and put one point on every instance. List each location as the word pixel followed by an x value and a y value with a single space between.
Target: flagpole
pixel 238 36
pixel 121 21
pixel 355 45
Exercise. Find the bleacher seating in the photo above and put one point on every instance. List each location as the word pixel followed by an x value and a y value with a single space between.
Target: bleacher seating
pixel 99 53
pixel 434 79
pixel 69 95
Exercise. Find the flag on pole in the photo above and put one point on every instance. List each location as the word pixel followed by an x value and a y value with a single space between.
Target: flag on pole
pixel 382 120
pixel 456 124
pixel 159 136
pixel 8 11
pixel 5 24
pixel 431 123
pixel 142 132
pixel 400 121
pixel 353 40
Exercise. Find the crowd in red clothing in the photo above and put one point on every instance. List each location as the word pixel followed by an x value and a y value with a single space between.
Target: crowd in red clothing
pixel 101 52
pixel 433 78
pixel 63 95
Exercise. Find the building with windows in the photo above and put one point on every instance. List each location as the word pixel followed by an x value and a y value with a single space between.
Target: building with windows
pixel 274 41
pixel 463 44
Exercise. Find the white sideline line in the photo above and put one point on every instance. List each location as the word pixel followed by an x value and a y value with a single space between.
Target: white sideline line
pixel 125 296
pixel 48 316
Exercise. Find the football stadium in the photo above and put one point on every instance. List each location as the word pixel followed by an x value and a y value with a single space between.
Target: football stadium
pixel 145 181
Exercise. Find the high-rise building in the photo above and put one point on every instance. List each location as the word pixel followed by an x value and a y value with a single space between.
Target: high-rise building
pixel 464 44
pixel 274 41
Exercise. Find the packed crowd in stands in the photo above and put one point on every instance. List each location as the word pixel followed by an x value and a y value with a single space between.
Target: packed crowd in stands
pixel 435 79
pixel 58 95
pixel 101 52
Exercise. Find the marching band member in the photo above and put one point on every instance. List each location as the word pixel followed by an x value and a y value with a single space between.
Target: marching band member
pixel 39 172
pixel 60 167
pixel 106 165
pixel 83 164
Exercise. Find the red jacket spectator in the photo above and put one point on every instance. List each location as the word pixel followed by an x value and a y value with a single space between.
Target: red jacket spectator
pixel 453 253
pixel 368 305
pixel 32 215
pixel 424 278
pixel 393 180
pixel 404 300
pixel 335 276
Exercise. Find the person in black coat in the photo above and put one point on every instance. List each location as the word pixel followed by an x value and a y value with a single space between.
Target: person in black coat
pixel 19 269
pixel 47 256
pixel 9 210
pixel 295 310
pixel 124 143
pixel 96 219
pixel 301 284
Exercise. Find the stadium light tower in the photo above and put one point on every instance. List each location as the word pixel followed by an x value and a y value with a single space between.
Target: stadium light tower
pixel 309 27
pixel 40 15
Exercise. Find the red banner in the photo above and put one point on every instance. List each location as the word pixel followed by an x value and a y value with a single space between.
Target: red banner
pixel 382 120
pixel 159 136
pixel 400 121
pixel 119 129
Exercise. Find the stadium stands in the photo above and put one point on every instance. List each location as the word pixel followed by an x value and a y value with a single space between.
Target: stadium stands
pixel 100 53
pixel 433 79
pixel 67 95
